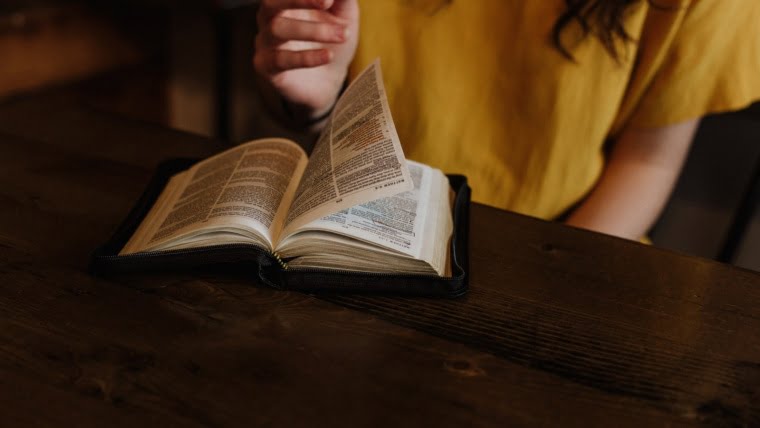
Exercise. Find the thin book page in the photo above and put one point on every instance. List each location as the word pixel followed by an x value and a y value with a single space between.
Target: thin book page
pixel 395 222
pixel 416 224
pixel 240 194
pixel 358 157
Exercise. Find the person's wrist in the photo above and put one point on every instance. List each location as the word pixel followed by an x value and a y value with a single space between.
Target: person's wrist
pixel 321 114
pixel 305 117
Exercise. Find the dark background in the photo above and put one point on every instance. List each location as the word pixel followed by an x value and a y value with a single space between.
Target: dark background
pixel 186 64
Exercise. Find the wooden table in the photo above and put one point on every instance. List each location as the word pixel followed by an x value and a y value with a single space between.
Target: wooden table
pixel 561 326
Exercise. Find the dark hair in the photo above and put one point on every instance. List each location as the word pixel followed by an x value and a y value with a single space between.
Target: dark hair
pixel 602 18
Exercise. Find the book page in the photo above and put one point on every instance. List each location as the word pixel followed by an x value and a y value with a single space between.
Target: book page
pixel 416 223
pixel 240 194
pixel 357 158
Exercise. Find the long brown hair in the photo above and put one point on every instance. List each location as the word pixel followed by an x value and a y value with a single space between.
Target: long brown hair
pixel 602 18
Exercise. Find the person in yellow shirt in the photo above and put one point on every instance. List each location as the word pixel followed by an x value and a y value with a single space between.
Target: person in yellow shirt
pixel 582 110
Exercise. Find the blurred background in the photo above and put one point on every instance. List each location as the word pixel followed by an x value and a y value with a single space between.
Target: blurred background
pixel 187 65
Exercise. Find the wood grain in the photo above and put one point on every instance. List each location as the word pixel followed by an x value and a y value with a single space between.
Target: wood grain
pixel 561 327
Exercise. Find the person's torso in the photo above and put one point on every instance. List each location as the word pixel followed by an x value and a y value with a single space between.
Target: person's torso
pixel 478 88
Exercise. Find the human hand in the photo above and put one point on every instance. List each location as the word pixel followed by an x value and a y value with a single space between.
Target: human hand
pixel 304 48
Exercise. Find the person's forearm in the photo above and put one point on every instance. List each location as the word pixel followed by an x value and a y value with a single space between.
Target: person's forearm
pixel 641 172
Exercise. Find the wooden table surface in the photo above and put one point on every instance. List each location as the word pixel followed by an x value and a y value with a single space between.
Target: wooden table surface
pixel 561 327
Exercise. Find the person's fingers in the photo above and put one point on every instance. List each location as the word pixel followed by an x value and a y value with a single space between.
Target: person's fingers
pixel 270 8
pixel 341 7
pixel 297 4
pixel 283 29
pixel 273 61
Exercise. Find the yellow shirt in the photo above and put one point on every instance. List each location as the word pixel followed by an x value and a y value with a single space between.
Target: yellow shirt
pixel 476 86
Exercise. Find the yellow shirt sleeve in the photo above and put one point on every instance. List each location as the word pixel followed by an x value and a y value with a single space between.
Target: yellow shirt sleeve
pixel 709 62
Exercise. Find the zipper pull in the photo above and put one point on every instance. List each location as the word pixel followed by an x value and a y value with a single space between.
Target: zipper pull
pixel 282 264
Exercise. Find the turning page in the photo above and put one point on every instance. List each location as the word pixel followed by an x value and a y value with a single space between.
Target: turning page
pixel 358 157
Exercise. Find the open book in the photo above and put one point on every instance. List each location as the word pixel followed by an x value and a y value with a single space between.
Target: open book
pixel 356 204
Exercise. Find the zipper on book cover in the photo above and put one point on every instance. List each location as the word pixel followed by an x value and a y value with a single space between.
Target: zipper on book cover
pixel 366 274
pixel 459 291
pixel 186 251
pixel 282 263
